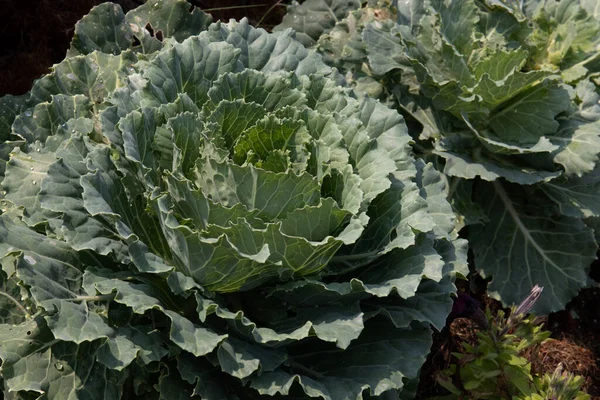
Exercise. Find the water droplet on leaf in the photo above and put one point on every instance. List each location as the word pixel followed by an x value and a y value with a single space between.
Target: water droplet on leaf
pixel 59 366
pixel 28 113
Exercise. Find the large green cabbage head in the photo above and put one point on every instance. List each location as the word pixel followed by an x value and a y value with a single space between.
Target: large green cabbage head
pixel 206 211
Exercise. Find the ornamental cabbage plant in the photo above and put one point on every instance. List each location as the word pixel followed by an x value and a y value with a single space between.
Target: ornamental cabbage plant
pixel 200 210
pixel 502 97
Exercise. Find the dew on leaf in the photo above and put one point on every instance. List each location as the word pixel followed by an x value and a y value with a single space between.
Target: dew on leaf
pixel 28 113
pixel 59 366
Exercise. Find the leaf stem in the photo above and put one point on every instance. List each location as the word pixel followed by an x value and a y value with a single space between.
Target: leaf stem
pixel 267 13
pixel 104 297
pixel 19 306
pixel 233 7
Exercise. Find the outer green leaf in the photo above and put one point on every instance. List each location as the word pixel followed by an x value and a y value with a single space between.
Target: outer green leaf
pixel 60 192
pixel 435 191
pixel 91 31
pixel 241 359
pixel 47 119
pixel 463 166
pixel 138 129
pixel 94 75
pixel 579 133
pixel 189 336
pixel 330 323
pixel 431 304
pixel 10 107
pixel 186 68
pixel 576 197
pixel 524 246
pixel 77 323
pixel 49 266
pixel 13 302
pixel 51 269
pixel 271 53
pixel 385 47
pixel 401 271
pixel 314 17
pixel 173 18
pixel 244 326
pixel 65 370
pixel 385 356
pixel 531 115
pixel 207 378
pixel 24 176
pixel 458 22
pixel 131 343
pixel 433 52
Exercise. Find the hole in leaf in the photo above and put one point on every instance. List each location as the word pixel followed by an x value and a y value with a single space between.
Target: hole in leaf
pixel 149 28
pixel 393 235
pixel 136 41
pixel 159 35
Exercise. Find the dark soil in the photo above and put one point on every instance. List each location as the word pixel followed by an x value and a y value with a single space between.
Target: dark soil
pixel 36 34
pixel 575 342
